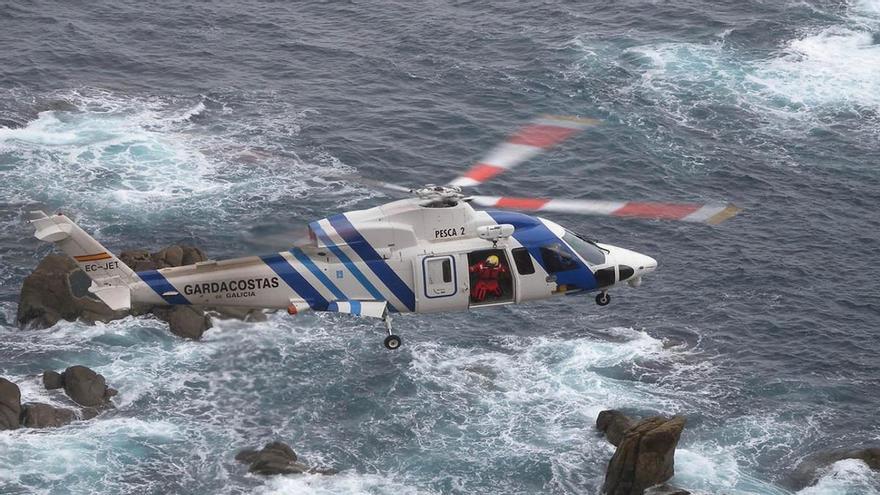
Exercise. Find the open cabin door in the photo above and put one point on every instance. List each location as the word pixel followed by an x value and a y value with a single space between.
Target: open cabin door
pixel 442 283
pixel 491 278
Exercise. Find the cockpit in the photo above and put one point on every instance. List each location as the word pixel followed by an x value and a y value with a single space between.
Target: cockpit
pixel 588 250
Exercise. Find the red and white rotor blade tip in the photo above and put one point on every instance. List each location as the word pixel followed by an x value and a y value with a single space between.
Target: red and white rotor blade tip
pixel 538 136
pixel 711 214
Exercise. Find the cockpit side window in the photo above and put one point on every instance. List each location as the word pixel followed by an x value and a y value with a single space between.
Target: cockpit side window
pixel 589 251
pixel 557 258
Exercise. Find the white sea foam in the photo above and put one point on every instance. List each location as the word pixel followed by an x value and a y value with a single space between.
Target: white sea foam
pixel 346 482
pixel 846 477
pixel 136 159
pixel 871 7
pixel 82 456
pixel 836 66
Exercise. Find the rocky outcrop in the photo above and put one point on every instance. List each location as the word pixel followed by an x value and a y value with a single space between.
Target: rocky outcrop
pixel 808 470
pixel 52 380
pixel 10 405
pixel 81 384
pixel 184 321
pixel 613 423
pixel 276 458
pixel 140 260
pixel 38 415
pixel 85 387
pixel 58 290
pixel 645 455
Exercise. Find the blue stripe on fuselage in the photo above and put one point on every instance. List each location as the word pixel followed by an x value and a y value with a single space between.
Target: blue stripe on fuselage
pixel 321 276
pixel 377 264
pixel 296 281
pixel 347 262
pixel 161 285
pixel 532 234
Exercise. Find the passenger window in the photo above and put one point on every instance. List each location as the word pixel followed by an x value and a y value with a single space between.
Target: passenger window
pixel 447 271
pixel 523 261
pixel 557 258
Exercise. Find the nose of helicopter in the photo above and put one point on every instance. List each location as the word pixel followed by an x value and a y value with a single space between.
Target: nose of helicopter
pixel 632 265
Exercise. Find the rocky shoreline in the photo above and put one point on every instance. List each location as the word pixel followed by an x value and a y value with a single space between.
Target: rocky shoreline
pixel 58 290
pixel 83 387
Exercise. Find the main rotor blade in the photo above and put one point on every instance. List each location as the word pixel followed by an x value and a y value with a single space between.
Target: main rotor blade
pixel 540 135
pixel 712 214
pixel 378 184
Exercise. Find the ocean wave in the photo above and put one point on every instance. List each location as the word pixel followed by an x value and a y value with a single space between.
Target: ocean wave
pixel 108 157
pixel 846 477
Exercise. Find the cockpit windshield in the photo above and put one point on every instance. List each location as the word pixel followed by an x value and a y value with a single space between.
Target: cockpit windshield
pixel 589 251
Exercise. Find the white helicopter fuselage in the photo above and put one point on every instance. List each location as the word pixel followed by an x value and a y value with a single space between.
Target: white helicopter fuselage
pixel 401 257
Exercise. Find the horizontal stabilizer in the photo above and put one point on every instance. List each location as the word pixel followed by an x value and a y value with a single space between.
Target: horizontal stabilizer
pixel 47 229
pixel 373 309
pixel 117 297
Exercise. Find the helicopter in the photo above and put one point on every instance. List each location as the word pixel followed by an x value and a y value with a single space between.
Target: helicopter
pixel 430 252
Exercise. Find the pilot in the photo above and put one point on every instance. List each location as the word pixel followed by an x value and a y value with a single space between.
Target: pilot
pixel 488 273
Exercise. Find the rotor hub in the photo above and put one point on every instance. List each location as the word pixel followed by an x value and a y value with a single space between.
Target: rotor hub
pixel 438 196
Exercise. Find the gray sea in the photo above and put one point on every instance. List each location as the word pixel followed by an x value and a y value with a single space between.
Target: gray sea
pixel 216 123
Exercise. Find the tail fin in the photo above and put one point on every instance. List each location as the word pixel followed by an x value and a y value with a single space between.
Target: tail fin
pixel 110 277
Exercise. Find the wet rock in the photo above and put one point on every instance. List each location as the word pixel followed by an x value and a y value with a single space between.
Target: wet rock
pixel 10 405
pixel 184 321
pixel 38 415
pixel 58 290
pixel 86 388
pixel 613 424
pixel 52 380
pixel 645 456
pixel 276 458
pixel 138 260
pixel 808 471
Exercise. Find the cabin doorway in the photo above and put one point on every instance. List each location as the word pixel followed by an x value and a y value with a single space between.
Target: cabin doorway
pixel 490 277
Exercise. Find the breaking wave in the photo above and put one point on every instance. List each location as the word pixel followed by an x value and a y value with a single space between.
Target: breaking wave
pixel 846 477
pixel 108 157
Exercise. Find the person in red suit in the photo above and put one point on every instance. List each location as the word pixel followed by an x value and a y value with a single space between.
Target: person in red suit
pixel 488 272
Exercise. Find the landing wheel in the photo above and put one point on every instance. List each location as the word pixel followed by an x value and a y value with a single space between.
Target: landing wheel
pixel 603 298
pixel 392 342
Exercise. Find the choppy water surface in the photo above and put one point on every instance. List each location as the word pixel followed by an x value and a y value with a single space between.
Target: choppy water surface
pixel 192 123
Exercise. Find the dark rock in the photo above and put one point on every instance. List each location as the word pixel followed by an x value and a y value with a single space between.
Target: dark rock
pixel 184 321
pixel 645 456
pixel 56 290
pixel 86 387
pixel 90 412
pixel 52 380
pixel 193 255
pixel 613 424
pixel 807 471
pixel 10 405
pixel 170 256
pixel 277 458
pixel 138 260
pixel 37 415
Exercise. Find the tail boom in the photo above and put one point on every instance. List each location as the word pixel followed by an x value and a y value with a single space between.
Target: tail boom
pixel 110 277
